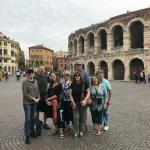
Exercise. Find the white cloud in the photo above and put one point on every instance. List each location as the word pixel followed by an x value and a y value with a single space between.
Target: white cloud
pixel 50 22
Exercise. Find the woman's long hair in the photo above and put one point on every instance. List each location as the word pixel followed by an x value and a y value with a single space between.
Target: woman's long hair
pixel 57 79
pixel 75 74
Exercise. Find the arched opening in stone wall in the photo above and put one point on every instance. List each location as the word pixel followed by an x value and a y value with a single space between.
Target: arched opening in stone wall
pixel 75 47
pixel 91 68
pixel 71 67
pixel 90 39
pixel 8 68
pixel 81 44
pixel 118 36
pixel 136 66
pixel 103 39
pixel 118 70
pixel 103 66
pixel 137 34
pixel 71 48
pixel 5 68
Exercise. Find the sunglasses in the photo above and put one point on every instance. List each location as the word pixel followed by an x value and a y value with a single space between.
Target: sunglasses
pixel 77 75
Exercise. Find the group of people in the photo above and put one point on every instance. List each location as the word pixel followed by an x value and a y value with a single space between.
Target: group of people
pixel 66 102
pixel 140 77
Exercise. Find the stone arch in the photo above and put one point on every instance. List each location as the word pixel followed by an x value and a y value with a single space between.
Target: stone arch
pixel 90 39
pixel 136 34
pixel 81 44
pixel 103 38
pixel 71 67
pixel 117 35
pixel 91 68
pixel 71 47
pixel 103 66
pixel 136 65
pixel 118 69
pixel 75 46
pixel 134 20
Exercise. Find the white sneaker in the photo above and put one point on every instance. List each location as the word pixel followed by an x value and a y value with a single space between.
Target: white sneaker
pixel 106 128
pixel 81 134
pixel 75 136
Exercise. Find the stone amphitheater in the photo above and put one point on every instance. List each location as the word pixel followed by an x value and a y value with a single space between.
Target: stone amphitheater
pixel 120 46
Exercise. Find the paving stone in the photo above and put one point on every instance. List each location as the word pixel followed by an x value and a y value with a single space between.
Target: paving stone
pixel 129 122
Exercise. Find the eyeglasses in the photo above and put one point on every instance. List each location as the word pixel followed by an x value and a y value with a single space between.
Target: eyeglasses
pixel 77 75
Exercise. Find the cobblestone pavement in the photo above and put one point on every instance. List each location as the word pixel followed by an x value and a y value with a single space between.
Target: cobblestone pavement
pixel 129 122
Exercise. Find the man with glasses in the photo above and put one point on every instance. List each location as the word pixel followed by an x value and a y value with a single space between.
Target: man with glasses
pixel 106 83
pixel 85 76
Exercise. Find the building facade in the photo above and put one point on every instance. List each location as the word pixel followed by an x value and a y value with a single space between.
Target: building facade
pixel 120 46
pixel 60 61
pixel 9 54
pixel 40 55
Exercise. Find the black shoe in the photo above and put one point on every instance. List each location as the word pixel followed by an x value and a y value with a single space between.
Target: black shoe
pixel 33 135
pixel 45 126
pixel 27 140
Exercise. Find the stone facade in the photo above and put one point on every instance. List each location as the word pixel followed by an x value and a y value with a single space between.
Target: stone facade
pixel 120 46
pixel 10 54
pixel 60 61
pixel 41 55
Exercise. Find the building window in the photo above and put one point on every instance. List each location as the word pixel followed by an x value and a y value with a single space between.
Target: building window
pixel 5 60
pixel 12 45
pixel 5 51
pixel 12 61
pixel 0 59
pixel 0 43
pixel 0 51
pixel 12 53
pixel 5 43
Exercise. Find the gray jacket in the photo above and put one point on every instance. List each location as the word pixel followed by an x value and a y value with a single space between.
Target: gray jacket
pixel 30 90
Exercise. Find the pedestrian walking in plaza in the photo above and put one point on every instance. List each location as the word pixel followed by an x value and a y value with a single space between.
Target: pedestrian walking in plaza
pixel 54 92
pixel 43 82
pixel 107 85
pixel 66 102
pixel 99 103
pixel 31 95
pixel 79 98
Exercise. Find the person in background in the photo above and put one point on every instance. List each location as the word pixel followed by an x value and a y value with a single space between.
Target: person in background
pixel 99 102
pixel 30 91
pixel 77 90
pixel 43 81
pixel 107 85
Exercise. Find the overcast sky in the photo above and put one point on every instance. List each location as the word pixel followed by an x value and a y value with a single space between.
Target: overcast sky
pixel 49 22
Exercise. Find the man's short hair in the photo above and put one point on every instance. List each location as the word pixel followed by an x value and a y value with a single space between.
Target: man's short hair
pixel 100 71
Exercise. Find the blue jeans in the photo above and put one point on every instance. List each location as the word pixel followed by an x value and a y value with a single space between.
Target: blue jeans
pixel 106 117
pixel 29 110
